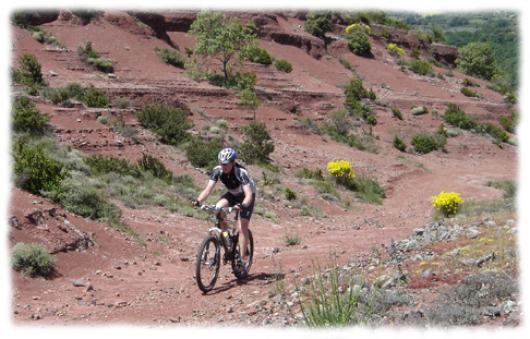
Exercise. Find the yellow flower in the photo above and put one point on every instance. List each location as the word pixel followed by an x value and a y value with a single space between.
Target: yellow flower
pixel 341 170
pixel 447 202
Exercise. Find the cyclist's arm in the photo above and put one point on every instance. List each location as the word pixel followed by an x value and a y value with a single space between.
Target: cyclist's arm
pixel 207 190
pixel 247 189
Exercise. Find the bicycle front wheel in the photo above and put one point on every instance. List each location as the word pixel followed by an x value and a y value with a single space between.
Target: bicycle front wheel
pixel 239 267
pixel 207 263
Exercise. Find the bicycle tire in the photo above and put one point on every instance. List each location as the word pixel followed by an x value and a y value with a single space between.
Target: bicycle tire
pixel 239 271
pixel 212 265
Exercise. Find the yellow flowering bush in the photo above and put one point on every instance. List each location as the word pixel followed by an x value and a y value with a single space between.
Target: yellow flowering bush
pixel 447 202
pixel 341 170
pixel 358 27
pixel 395 49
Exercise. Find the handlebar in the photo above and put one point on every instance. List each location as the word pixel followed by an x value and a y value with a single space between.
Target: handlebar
pixel 215 210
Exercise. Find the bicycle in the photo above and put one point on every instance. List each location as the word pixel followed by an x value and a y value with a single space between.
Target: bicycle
pixel 208 259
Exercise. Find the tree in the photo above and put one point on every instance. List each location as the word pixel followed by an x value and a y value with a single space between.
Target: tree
pixel 250 100
pixel 477 59
pixel 221 37
pixel 318 23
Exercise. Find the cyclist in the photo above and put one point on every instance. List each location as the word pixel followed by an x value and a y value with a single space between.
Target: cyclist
pixel 241 191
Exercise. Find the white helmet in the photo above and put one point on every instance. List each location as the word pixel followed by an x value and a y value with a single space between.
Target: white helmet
pixel 227 155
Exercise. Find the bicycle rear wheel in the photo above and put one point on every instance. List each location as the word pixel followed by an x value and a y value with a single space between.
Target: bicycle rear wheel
pixel 207 263
pixel 239 267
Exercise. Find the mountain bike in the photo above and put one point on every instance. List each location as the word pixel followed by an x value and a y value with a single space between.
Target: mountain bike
pixel 208 259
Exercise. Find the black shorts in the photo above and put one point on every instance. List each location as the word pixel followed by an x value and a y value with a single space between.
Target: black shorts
pixel 246 212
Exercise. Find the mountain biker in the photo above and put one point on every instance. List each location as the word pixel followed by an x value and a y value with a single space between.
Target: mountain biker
pixel 241 190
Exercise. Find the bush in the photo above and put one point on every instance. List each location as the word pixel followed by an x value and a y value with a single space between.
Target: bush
pixel 290 194
pixel 318 23
pixel 496 132
pixel 203 153
pixel 415 53
pixel 399 144
pixel 36 171
pixel 455 116
pixel 94 97
pixel 397 113
pixel 509 123
pixel 26 117
pixel 469 92
pixel 168 122
pixel 121 102
pixel 151 164
pixel 258 143
pixel 90 56
pixel 170 57
pixel 421 67
pixel 105 164
pixel 368 189
pixel 448 203
pixel 470 83
pixel 32 259
pixel 255 54
pixel 359 43
pixel 341 171
pixel 283 65
pixel 30 71
pixel 509 187
pixel 425 142
pixel 86 201
pixel 292 239
pixel 354 92
pixel 395 49
pixel 358 26
pixel 477 59
pixel 346 64
pixel 308 173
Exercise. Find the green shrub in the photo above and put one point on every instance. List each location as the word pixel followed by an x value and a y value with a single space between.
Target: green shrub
pixel 354 92
pixel 368 189
pixel 151 164
pixel 30 71
pixel 415 53
pixel 257 143
pixel 509 187
pixel 283 65
pixel 346 64
pixel 32 259
pixel 290 194
pixel 94 97
pixel 57 95
pixel 477 59
pixel 292 239
pixel 359 43
pixel 496 132
pixel 509 123
pixel 308 173
pixel 397 113
pixel 470 83
pixel 170 123
pixel 90 56
pixel 102 64
pixel 203 153
pixel 318 23
pixel 399 144
pixel 256 55
pixel 87 15
pixel 455 116
pixel 170 57
pixel 421 67
pixel 105 164
pixel 35 170
pixel 121 102
pixel 469 92
pixel 26 117
pixel 86 201
pixel 425 142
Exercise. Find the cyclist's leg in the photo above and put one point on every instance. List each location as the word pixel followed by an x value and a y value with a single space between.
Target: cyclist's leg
pixel 244 222
pixel 223 202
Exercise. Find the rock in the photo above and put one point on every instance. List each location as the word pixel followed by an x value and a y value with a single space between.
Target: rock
pixel 419 110
pixel 112 75
pixel 53 74
pixel 427 274
pixel 79 283
pixel 444 53
pixel 275 250
pixel 472 233
pixel 509 306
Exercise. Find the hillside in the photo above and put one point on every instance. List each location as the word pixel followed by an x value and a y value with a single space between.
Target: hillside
pixel 134 262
